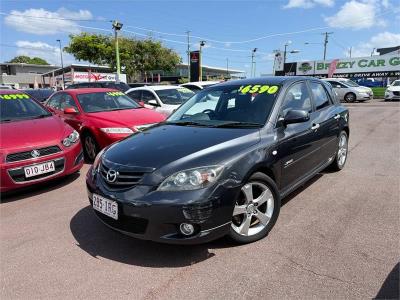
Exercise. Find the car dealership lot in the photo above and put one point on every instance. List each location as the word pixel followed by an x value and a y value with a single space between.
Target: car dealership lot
pixel 336 238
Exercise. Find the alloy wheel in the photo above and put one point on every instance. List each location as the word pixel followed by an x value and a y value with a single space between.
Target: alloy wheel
pixel 253 210
pixel 90 147
pixel 342 150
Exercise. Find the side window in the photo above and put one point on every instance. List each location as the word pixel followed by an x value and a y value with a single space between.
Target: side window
pixel 54 101
pixel 147 96
pixel 320 95
pixel 297 97
pixel 135 95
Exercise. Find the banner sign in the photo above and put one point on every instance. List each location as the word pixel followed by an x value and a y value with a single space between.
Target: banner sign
pixel 194 65
pixel 374 65
pixel 94 76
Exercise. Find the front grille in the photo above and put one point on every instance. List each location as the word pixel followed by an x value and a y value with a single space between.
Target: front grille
pixel 27 154
pixel 125 178
pixel 125 223
pixel 396 93
pixel 18 175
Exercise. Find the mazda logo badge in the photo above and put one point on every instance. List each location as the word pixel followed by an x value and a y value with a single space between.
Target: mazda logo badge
pixel 35 153
pixel 112 176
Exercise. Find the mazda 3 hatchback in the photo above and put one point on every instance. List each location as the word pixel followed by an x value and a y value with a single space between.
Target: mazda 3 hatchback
pixel 222 162
pixel 35 146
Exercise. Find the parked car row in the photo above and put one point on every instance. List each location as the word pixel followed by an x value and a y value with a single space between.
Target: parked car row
pixel 219 165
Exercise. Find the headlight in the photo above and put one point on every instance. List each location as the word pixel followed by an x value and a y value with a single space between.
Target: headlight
pixel 97 161
pixel 71 139
pixel 192 179
pixel 116 130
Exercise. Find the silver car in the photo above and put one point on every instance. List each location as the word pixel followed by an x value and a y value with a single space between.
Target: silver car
pixel 349 91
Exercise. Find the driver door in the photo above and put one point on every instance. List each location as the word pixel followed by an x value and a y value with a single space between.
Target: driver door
pixel 297 143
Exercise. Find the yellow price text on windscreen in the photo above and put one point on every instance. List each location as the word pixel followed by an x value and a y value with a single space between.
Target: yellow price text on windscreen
pixel 14 96
pixel 258 89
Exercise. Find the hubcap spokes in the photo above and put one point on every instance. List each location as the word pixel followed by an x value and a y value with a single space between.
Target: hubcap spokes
pixel 253 211
pixel 90 147
pixel 342 151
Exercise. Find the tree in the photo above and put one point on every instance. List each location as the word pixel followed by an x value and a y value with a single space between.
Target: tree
pixel 136 56
pixel 28 60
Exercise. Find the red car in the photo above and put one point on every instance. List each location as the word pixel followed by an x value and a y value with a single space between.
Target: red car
pixel 35 146
pixel 101 116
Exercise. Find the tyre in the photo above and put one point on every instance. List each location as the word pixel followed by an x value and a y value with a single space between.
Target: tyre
pixel 341 153
pixel 256 209
pixel 350 97
pixel 90 147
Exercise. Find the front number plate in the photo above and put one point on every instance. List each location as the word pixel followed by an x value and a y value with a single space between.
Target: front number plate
pixel 105 206
pixel 39 169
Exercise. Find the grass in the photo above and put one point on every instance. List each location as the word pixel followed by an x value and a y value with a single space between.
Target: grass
pixel 379 92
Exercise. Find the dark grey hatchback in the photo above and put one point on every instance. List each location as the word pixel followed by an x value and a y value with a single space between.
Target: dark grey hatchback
pixel 222 162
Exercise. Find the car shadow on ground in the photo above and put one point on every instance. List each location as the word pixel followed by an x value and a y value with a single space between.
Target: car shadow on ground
pixel 38 189
pixel 99 241
pixel 391 287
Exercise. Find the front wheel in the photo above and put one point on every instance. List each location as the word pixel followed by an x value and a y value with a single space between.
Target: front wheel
pixel 342 151
pixel 256 209
pixel 90 146
pixel 350 97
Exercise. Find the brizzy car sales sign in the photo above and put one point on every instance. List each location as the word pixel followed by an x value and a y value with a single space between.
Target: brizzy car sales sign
pixel 376 66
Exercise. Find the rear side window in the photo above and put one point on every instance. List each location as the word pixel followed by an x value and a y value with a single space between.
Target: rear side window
pixel 320 95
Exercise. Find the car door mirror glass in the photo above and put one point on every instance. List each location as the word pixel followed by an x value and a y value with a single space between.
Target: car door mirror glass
pixel 296 116
pixel 70 110
pixel 153 102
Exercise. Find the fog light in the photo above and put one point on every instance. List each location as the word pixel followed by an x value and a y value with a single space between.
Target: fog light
pixel 186 229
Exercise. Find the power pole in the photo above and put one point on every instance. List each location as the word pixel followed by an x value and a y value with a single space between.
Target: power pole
pixel 326 42
pixel 202 44
pixel 227 67
pixel 62 65
pixel 117 27
pixel 350 49
pixel 188 52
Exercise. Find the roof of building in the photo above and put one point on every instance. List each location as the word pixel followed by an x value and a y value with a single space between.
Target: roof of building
pixel 28 65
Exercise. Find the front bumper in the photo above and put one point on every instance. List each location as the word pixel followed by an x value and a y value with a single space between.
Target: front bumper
pixel 392 96
pixel 145 213
pixel 66 162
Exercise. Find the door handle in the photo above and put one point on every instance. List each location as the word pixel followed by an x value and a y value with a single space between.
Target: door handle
pixel 315 127
pixel 336 117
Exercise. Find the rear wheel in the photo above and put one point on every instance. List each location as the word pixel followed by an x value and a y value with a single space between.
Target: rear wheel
pixel 90 146
pixel 350 97
pixel 256 209
pixel 341 154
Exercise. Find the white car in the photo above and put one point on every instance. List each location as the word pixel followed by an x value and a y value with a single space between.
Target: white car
pixel 162 98
pixel 196 86
pixel 393 91
pixel 349 91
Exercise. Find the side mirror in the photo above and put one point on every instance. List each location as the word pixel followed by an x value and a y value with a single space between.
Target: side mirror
pixel 141 103
pixel 296 116
pixel 70 111
pixel 153 103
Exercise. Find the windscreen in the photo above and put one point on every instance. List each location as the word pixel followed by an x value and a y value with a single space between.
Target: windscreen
pixel 20 106
pixel 228 105
pixel 396 83
pixel 106 101
pixel 174 96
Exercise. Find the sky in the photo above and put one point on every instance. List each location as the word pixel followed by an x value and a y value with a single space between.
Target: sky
pixel 231 28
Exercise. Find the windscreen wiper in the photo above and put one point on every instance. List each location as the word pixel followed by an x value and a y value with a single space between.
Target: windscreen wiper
pixel 238 124
pixel 187 123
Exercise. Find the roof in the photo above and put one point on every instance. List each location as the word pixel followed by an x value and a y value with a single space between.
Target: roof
pixel 201 83
pixel 154 87
pixel 89 90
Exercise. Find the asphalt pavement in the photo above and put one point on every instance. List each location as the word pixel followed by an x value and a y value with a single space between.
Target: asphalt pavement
pixel 337 237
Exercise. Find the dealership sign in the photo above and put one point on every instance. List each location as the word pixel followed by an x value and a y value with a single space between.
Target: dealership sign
pixel 94 76
pixel 376 66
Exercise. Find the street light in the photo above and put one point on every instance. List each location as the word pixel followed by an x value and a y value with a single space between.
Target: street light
pixel 253 67
pixel 62 65
pixel 202 44
pixel 117 26
pixel 285 52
